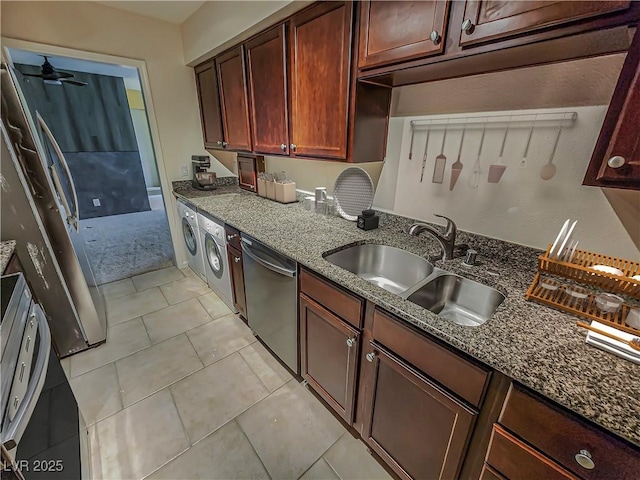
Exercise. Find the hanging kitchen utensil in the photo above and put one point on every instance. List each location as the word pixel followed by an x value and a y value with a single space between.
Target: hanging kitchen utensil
pixel 496 170
pixel 424 157
pixel 474 179
pixel 413 131
pixel 523 162
pixel 549 170
pixel 441 162
pixel 456 168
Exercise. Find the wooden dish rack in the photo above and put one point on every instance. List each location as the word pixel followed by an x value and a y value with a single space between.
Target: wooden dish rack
pixel 579 270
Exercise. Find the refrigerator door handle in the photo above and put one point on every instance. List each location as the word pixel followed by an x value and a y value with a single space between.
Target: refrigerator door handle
pixel 74 216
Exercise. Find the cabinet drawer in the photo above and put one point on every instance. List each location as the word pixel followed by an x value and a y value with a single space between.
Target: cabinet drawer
pixel 233 237
pixel 448 368
pixel 347 306
pixel 562 435
pixel 517 460
pixel 489 473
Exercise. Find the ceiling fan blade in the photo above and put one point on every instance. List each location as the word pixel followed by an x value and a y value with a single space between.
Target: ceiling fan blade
pixel 73 82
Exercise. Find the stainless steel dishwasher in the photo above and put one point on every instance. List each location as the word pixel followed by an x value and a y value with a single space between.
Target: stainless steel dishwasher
pixel 272 299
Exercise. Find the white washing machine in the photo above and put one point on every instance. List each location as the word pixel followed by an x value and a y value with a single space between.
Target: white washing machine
pixel 216 262
pixel 189 222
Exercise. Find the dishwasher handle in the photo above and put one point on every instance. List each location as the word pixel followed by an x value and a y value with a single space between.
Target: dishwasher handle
pixel 274 268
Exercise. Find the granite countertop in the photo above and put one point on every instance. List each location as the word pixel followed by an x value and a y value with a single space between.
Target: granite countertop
pixel 539 347
pixel 6 250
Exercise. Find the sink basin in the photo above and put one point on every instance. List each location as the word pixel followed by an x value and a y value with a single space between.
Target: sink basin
pixel 390 268
pixel 458 299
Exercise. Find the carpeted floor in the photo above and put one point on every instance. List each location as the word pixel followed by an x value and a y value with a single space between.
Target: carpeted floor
pixel 121 246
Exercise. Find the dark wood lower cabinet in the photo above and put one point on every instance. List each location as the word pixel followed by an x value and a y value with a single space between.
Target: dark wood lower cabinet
pixel 237 279
pixel 420 430
pixel 330 351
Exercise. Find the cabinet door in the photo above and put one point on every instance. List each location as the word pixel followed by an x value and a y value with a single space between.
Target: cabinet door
pixel 320 63
pixel 329 356
pixel 417 428
pixel 267 72
pixel 616 157
pixel 207 86
pixel 487 20
pixel 234 101
pixel 237 279
pixel 394 31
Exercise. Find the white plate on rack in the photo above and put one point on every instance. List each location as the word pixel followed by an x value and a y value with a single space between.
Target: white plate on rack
pixel 555 247
pixel 353 193
pixel 566 241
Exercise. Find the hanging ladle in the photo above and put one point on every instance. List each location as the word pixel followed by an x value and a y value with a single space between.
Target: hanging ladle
pixel 549 170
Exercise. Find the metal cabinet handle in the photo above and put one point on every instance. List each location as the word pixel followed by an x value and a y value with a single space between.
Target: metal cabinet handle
pixel 231 237
pixel 236 259
pixel 584 460
pixel 435 37
pixel 219 142
pixel 293 146
pixel 371 356
pixel 616 162
pixel 467 26
pixel 224 144
pixel 351 342
pixel 283 147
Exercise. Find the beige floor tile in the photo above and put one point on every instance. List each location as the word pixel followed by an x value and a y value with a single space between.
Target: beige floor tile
pixel 320 471
pixel 65 363
pixel 265 366
pixel 220 338
pixel 184 289
pixel 211 397
pixel 122 340
pixel 214 305
pixel 98 393
pixel 154 368
pixel 156 278
pixel 137 440
pixel 290 430
pixel 176 319
pixel 225 454
pixel 131 306
pixel 350 459
pixel 118 289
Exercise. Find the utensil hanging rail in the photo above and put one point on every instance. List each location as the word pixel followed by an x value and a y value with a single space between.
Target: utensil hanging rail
pixel 525 120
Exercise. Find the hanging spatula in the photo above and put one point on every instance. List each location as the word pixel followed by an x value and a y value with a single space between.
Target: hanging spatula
pixel 441 162
pixel 456 168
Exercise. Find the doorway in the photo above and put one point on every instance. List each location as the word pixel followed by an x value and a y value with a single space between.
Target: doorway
pixel 98 116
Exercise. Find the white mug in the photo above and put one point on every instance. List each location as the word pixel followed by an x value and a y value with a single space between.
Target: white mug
pixel 321 194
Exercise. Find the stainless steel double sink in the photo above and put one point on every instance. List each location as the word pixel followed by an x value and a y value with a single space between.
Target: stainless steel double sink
pixel 413 278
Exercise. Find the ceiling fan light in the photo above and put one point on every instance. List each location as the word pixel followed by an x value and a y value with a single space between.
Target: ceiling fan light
pixel 53 82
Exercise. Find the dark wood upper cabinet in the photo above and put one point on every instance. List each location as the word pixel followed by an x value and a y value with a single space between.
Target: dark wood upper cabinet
pixel 267 76
pixel 420 430
pixel 320 41
pixel 209 99
pixel 616 157
pixel 330 350
pixel 393 31
pixel 486 20
pixel 234 100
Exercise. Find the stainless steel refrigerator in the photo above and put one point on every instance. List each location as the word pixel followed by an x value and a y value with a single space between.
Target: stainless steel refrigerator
pixel 40 211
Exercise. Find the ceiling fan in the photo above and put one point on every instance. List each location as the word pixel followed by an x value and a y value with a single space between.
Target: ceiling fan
pixel 55 77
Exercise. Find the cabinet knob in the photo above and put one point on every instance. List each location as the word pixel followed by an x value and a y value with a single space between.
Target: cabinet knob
pixel 231 237
pixel 467 26
pixel 219 142
pixel 371 356
pixel 283 147
pixel 293 146
pixel 236 259
pixel 351 342
pixel 616 162
pixel 435 37
pixel 583 457
pixel 224 144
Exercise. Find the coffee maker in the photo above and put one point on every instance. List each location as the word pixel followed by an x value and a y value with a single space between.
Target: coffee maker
pixel 202 179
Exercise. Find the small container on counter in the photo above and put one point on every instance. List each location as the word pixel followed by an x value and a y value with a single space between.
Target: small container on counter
pixel 262 187
pixel 285 192
pixel 271 190
pixel 368 220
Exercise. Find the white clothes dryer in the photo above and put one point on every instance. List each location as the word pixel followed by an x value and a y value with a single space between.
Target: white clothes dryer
pixel 189 226
pixel 216 261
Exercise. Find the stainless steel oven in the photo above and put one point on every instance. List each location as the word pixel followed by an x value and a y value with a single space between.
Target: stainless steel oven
pixel 42 428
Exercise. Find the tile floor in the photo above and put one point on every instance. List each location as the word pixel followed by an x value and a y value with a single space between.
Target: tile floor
pixel 183 390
